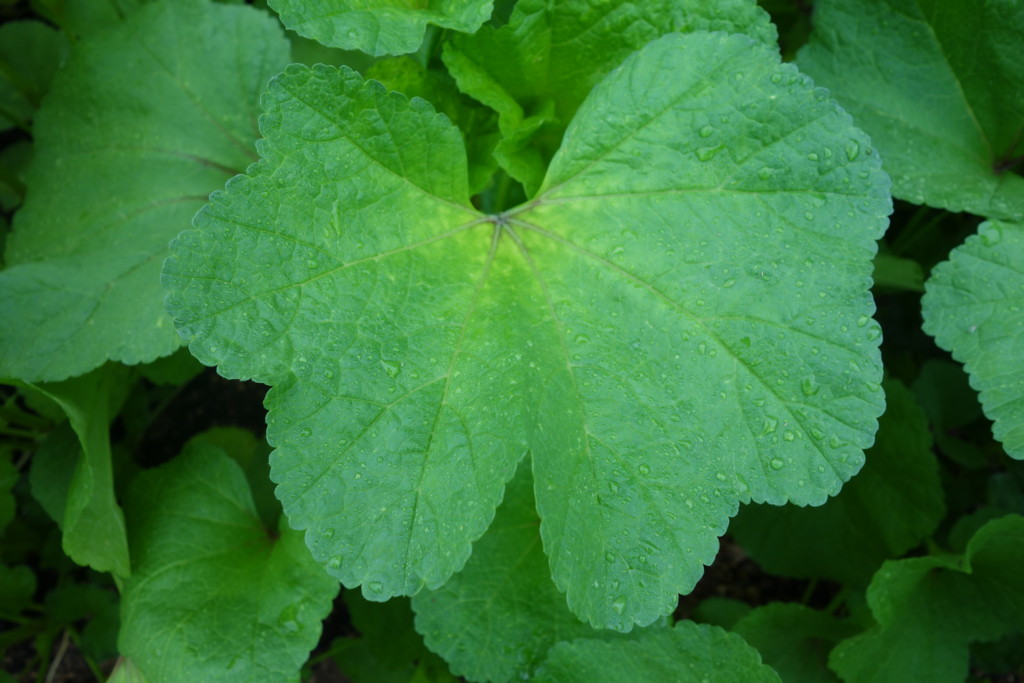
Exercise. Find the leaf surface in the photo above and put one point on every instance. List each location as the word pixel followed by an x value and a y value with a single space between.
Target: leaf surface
pixel 147 119
pixel 928 609
pixel 215 595
pixel 30 52
pixel 939 87
pixel 973 307
pixel 669 328
pixel 537 69
pixel 688 653
pixel 497 618
pixel 378 27
pixel 893 504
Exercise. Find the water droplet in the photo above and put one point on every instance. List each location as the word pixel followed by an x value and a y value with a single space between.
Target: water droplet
pixel 642 559
pixel 702 347
pixel 764 173
pixel 290 626
pixel 307 432
pixel 728 283
pixel 706 131
pixel 776 78
pixel 644 470
pixel 874 333
pixel 817 434
pixel 609 557
pixel 809 387
pixel 835 442
pixel 392 368
pixel 375 586
pixel 769 426
pixel 852 150
pixel 582 339
pixel 334 562
pixel 708 153
pixel 990 234
pixel 813 156
pixel 789 436
pixel 863 320
pixel 619 605
pixel 777 463
pixel 809 216
pixel 719 476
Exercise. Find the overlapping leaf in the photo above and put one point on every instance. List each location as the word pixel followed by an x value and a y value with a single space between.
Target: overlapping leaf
pixel 973 307
pixel 537 69
pixel 688 653
pixel 147 119
pixel 678 322
pixel 197 541
pixel 894 504
pixel 939 86
pixel 928 609
pixel 30 53
pixel 378 27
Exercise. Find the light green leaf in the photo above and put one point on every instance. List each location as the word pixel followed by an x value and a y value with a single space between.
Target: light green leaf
pixel 378 27
pixel 688 653
pixel 497 618
pixel 891 506
pixel 669 328
pixel 92 523
pixel 928 609
pixel 30 52
pixel 197 541
pixel 537 69
pixel 972 306
pixel 946 103
pixel 147 119
pixel 794 640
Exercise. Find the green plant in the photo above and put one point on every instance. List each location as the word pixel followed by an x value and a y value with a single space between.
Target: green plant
pixel 541 305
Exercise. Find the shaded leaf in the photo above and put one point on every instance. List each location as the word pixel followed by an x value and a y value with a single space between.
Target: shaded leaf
pixel 615 327
pixel 147 119
pixel 197 541
pixel 30 53
pixel 928 609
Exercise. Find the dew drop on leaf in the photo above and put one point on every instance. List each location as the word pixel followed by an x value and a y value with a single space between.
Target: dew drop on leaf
pixel 777 463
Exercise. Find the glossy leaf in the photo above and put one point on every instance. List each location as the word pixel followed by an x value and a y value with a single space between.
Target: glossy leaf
pixel 894 504
pixel 972 306
pixel 618 326
pixel 536 70
pixel 929 608
pixel 147 119
pixel 378 27
pixel 688 653
pixel 197 541
pixel 939 87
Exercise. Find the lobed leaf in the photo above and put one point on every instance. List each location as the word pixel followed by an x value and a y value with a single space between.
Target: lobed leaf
pixel 929 608
pixel 148 117
pixel 892 505
pixel 197 541
pixel 972 306
pixel 670 327
pixel 688 653
pixel 939 86
pixel 378 27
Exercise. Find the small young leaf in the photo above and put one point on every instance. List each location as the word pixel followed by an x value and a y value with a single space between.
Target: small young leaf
pixel 892 505
pixel 378 27
pixel 972 306
pixel 688 653
pixel 678 322
pixel 215 595
pixel 497 618
pixel 537 69
pixel 147 119
pixel 939 86
pixel 794 640
pixel 928 609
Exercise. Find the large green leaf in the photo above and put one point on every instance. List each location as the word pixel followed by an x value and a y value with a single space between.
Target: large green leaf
pixel 497 618
pixel 688 653
pixel 214 594
pixel 929 609
pixel 378 27
pixel 679 322
pixel 894 504
pixel 537 69
pixel 973 307
pixel 147 118
pixel 30 53
pixel 939 86
pixel 91 522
